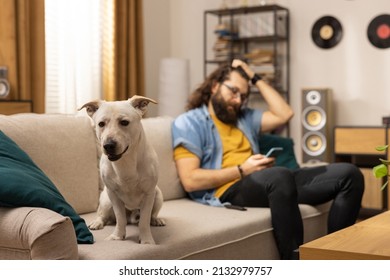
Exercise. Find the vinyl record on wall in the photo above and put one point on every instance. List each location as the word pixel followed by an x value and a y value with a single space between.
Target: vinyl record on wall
pixel 326 32
pixel 378 31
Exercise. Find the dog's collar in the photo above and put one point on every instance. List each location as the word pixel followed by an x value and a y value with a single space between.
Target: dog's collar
pixel 118 156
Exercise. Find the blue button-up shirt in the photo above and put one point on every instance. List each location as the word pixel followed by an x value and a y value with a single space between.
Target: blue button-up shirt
pixel 196 131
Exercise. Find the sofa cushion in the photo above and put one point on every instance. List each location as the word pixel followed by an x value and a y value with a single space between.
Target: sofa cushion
pixel 72 160
pixel 22 183
pixel 158 133
pixel 197 231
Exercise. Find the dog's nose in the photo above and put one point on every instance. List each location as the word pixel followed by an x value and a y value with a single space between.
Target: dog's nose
pixel 110 147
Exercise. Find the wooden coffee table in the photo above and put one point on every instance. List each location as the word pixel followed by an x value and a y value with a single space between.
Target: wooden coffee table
pixel 366 240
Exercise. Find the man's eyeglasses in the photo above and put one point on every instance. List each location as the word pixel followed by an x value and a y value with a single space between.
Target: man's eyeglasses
pixel 235 91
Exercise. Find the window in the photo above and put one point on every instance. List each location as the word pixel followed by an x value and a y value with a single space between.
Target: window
pixel 73 31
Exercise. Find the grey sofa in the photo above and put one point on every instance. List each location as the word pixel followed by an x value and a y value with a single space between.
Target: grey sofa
pixel 64 147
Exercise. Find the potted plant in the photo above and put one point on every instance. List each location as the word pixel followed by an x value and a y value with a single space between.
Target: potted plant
pixel 382 170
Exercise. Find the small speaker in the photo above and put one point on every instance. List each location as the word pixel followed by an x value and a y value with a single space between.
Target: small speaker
pixel 4 85
pixel 317 125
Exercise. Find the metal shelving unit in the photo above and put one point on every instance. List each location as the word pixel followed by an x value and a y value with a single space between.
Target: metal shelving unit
pixel 274 39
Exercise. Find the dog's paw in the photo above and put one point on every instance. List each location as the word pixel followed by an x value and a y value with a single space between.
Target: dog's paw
pixel 96 224
pixel 149 241
pixel 114 237
pixel 157 222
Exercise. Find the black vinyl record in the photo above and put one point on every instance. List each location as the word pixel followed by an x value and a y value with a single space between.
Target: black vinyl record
pixel 326 32
pixel 378 31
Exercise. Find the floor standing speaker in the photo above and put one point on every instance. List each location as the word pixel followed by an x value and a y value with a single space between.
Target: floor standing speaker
pixel 317 125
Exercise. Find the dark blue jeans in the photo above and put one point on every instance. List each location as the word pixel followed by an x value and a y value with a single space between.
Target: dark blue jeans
pixel 282 189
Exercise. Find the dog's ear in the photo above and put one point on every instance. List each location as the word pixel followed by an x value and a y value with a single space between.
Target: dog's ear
pixel 91 107
pixel 140 103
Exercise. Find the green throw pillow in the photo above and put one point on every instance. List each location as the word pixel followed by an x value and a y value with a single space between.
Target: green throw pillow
pixel 285 158
pixel 23 183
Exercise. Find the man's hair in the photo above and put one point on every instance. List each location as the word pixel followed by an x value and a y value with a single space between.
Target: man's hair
pixel 203 93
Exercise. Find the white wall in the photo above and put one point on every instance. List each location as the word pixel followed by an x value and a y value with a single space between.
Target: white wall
pixel 174 28
pixel 157 44
pixel 357 72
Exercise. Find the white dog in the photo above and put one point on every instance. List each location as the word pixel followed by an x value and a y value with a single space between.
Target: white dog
pixel 128 167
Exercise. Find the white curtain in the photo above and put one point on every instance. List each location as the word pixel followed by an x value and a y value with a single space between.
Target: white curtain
pixel 73 54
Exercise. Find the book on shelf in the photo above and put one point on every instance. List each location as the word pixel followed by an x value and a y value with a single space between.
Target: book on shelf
pixel 225 30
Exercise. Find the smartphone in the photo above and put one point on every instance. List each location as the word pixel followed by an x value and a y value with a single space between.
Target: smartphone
pixel 274 152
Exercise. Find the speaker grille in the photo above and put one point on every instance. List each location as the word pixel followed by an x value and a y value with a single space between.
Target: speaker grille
pixel 314 118
pixel 314 143
pixel 313 97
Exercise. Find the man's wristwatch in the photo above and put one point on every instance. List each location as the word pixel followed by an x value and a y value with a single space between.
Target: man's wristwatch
pixel 255 78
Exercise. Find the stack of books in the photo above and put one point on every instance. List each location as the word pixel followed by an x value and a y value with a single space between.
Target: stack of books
pixel 223 46
pixel 261 61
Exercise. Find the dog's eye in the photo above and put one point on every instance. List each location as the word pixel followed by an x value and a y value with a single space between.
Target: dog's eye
pixel 124 123
pixel 101 124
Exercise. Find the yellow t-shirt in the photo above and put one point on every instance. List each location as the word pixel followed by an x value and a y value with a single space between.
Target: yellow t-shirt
pixel 235 146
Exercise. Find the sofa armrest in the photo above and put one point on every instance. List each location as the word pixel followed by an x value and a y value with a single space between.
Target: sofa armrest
pixel 36 233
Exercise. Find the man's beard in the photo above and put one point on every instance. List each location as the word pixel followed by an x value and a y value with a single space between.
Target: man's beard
pixel 225 112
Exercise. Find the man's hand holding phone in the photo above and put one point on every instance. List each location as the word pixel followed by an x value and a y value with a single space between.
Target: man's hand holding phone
pixel 258 162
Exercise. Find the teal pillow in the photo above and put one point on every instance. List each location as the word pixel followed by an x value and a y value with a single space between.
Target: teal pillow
pixel 287 157
pixel 23 183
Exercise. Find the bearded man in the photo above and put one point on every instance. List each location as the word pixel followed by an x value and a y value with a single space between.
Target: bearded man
pixel 216 150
